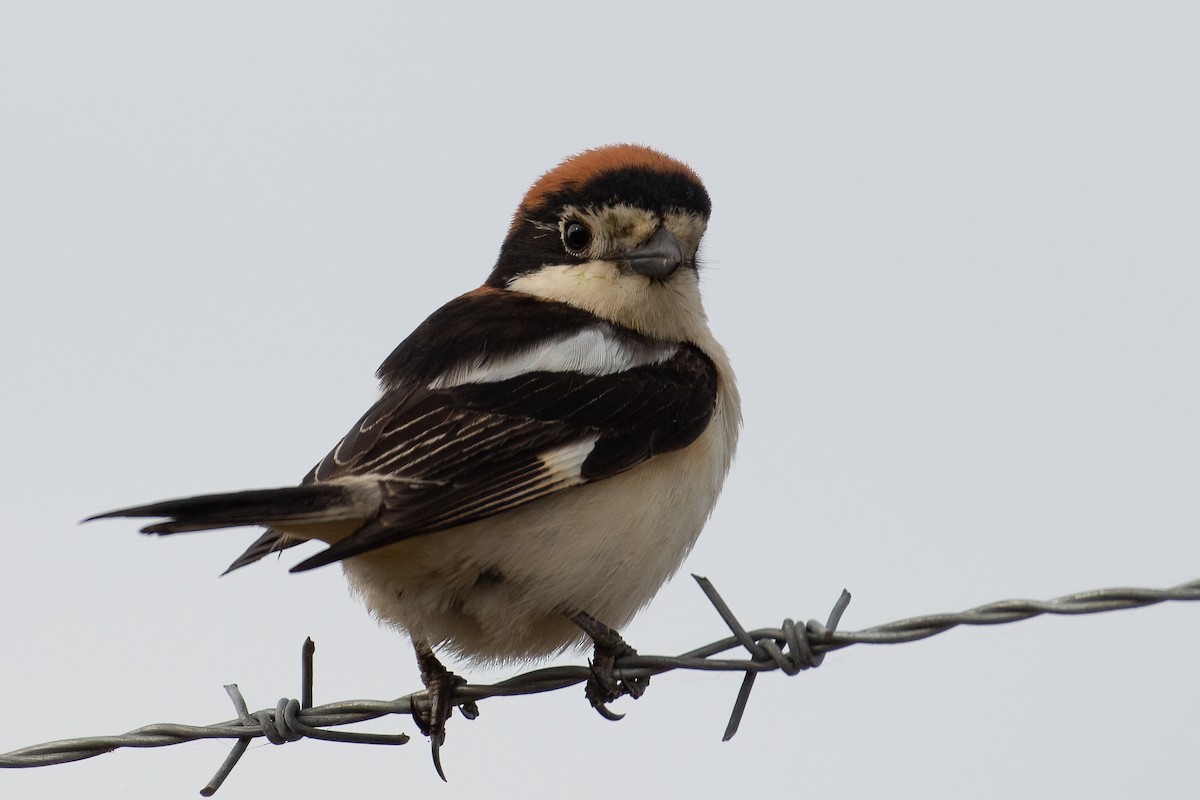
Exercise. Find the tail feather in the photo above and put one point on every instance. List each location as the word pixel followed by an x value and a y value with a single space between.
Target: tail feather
pixel 270 542
pixel 314 501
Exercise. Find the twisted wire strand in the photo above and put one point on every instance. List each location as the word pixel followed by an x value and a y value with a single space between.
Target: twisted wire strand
pixel 789 648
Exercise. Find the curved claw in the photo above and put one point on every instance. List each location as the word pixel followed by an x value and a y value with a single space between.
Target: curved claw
pixel 434 726
pixel 437 759
pixel 604 711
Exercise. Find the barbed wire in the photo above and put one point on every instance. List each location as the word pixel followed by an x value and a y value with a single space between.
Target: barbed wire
pixel 790 648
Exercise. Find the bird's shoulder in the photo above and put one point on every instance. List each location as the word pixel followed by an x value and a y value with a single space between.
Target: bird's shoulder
pixel 495 372
pixel 490 324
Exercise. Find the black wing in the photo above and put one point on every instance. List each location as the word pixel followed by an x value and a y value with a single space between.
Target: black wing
pixel 449 456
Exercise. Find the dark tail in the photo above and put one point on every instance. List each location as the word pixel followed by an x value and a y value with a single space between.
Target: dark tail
pixel 315 502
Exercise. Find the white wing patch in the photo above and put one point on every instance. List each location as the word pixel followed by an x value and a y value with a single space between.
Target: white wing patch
pixel 561 468
pixel 591 351
pixel 564 465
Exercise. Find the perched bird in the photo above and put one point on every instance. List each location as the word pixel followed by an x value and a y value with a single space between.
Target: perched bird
pixel 545 449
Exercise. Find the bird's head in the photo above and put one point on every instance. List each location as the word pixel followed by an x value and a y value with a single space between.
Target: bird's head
pixel 615 231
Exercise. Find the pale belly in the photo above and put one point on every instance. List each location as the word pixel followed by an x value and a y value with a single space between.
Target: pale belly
pixel 498 589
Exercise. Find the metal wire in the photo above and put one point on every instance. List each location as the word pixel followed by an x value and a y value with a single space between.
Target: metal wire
pixel 789 648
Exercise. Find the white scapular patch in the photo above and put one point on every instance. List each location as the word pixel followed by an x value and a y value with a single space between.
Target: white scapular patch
pixel 591 351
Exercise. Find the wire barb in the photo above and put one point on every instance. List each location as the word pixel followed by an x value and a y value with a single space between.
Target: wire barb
pixel 799 655
pixel 791 648
pixel 283 725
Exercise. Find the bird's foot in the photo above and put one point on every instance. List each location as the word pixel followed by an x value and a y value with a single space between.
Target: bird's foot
pixel 431 716
pixel 603 687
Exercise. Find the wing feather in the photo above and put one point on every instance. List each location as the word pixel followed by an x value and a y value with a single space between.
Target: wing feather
pixel 447 455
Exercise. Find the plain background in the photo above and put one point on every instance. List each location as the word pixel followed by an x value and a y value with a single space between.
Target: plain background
pixel 954 255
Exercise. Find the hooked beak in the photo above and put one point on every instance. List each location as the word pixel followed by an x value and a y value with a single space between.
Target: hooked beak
pixel 657 258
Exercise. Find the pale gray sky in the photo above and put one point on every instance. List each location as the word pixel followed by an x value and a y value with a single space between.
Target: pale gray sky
pixel 954 255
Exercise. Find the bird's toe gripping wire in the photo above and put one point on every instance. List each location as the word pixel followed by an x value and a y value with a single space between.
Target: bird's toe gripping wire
pixel 603 687
pixel 431 716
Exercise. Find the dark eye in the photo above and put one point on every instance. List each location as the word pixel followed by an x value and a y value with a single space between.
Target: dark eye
pixel 576 236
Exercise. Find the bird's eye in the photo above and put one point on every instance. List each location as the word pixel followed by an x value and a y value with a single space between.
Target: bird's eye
pixel 576 236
